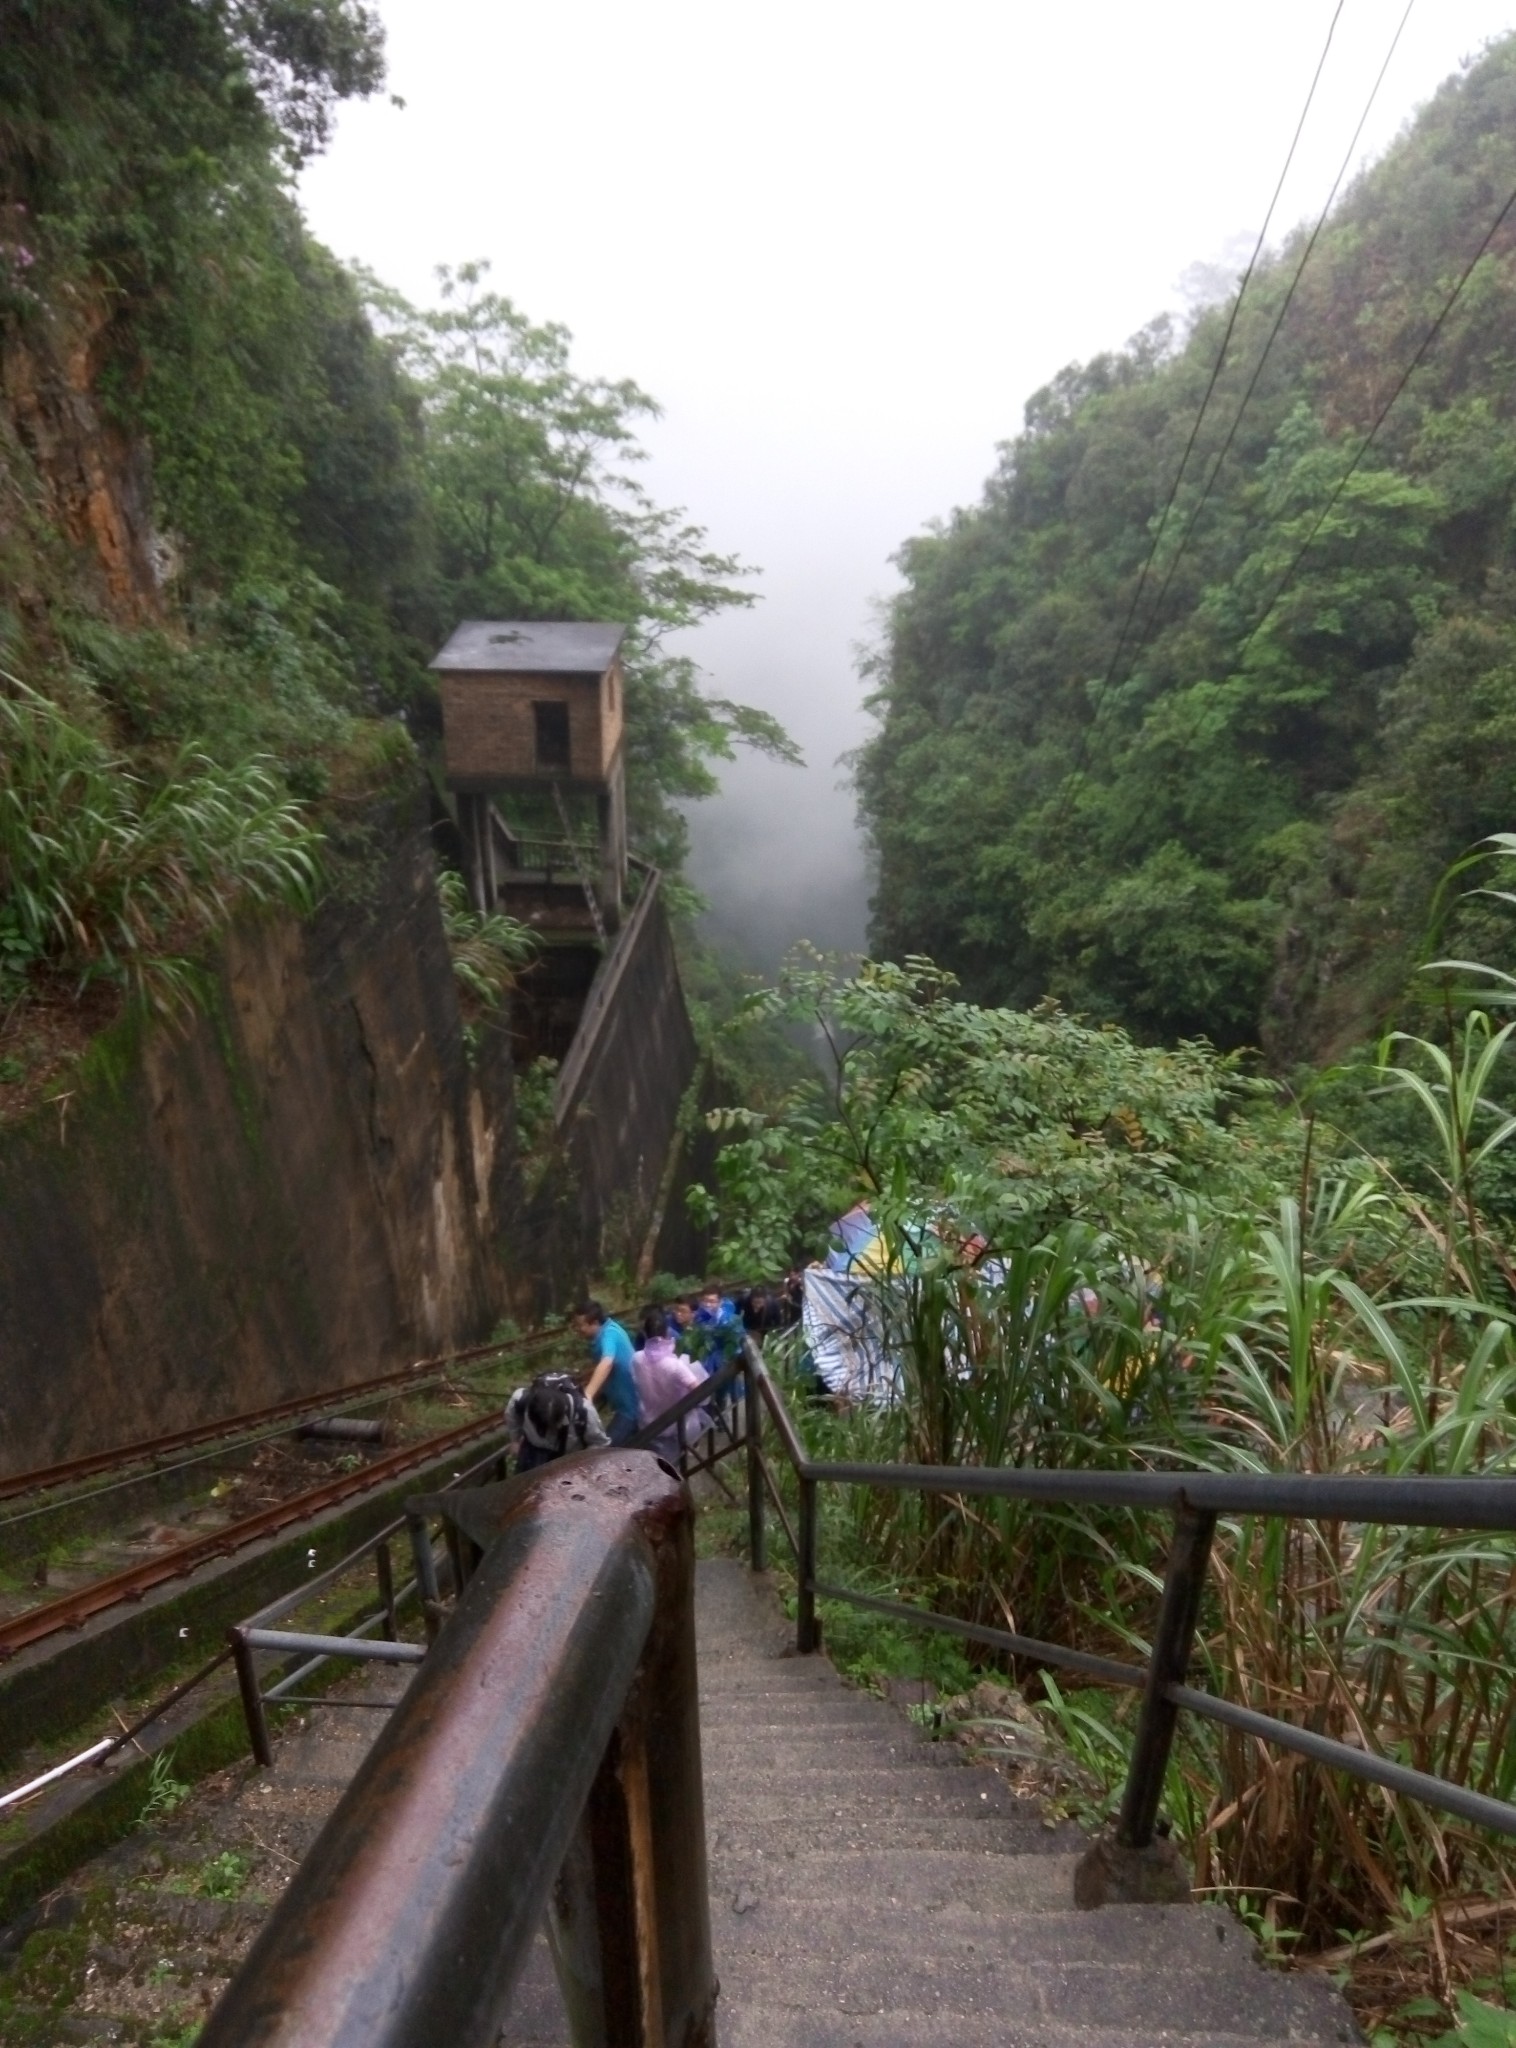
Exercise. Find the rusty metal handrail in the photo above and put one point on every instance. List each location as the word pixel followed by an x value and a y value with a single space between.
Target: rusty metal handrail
pixel 1196 1500
pixel 545 1761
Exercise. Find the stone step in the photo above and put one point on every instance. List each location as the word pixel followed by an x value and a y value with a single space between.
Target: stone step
pixel 1189 1937
pixel 745 1678
pixel 879 1786
pixel 1135 1996
pixel 746 1737
pixel 806 1758
pixel 920 1882
pixel 780 1710
pixel 786 1833
pixel 955 2002
pixel 780 1827
pixel 757 2026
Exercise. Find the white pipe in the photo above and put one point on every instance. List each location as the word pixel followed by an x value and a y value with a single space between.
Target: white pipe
pixel 85 1756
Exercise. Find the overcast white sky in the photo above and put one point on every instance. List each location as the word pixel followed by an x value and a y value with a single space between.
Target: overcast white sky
pixel 842 244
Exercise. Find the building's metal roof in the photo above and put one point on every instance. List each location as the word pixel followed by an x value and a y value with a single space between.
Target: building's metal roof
pixel 531 647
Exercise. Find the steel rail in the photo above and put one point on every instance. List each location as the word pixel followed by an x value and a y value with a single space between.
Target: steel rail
pixel 772 1484
pixel 79 1606
pixel 334 1400
pixel 1496 1814
pixel 789 1436
pixel 280 1693
pixel 597 1003
pixel 297 1642
pixel 1411 1501
pixel 324 1581
pixel 1107 1669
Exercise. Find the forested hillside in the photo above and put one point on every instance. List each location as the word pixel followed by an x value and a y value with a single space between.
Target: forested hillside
pixel 245 494
pixel 1213 791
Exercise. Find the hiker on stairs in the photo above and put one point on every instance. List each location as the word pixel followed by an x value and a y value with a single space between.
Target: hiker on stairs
pixel 550 1418
pixel 664 1378
pixel 612 1350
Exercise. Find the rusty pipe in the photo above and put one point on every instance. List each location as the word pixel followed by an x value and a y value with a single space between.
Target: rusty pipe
pixel 343 1429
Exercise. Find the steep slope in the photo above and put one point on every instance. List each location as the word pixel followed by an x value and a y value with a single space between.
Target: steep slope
pixel 1216 797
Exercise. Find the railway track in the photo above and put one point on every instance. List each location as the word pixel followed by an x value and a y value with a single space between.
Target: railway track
pixel 59 1490
pixel 239 1429
pixel 72 1609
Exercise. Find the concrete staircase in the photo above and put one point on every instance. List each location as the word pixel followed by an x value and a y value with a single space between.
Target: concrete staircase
pixel 868 1889
pixel 871 1890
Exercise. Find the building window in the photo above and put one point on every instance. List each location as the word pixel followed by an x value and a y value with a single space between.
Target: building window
pixel 610 692
pixel 552 723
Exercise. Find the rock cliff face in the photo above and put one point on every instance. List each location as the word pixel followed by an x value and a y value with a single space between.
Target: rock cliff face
pixel 299 1188
pixel 75 488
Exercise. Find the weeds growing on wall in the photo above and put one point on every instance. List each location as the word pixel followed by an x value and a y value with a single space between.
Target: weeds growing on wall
pixel 488 952
pixel 107 875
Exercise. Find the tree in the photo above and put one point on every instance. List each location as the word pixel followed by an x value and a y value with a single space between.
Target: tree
pixel 995 1123
pixel 531 478
pixel 1174 764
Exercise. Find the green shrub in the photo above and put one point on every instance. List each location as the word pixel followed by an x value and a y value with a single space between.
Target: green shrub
pixel 107 875
pixel 488 951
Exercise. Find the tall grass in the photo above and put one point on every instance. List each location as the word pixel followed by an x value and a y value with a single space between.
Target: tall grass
pixel 1293 1344
pixel 105 874
pixel 1398 1639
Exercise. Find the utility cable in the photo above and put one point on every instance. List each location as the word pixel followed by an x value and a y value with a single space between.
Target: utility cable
pixel 1221 356
pixel 1279 319
pixel 1384 412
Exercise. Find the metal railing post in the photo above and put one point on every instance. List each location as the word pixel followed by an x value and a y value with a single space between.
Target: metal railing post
pixel 1183 1585
pixel 629 1920
pixel 426 1574
pixel 385 1568
pixel 453 1544
pixel 807 1628
pixel 757 1534
pixel 252 1699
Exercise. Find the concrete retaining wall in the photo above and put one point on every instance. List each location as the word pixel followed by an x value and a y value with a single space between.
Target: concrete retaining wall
pixel 301 1187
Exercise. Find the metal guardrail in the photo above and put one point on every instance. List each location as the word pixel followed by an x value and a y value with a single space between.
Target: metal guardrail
pixel 600 1000
pixel 259 1633
pixel 544 1762
pixel 1195 1500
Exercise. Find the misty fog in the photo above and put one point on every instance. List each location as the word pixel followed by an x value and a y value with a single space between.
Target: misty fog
pixel 842 246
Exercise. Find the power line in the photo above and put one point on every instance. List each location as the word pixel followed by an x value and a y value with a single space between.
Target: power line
pixel 1384 412
pixel 1226 446
pixel 1221 355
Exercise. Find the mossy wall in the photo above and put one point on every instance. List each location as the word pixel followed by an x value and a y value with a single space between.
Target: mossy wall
pixel 300 1187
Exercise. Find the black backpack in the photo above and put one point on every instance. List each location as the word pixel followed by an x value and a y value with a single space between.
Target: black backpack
pixel 555 1415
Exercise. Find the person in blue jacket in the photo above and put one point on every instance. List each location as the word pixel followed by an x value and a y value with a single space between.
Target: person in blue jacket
pixel 719 1333
pixel 613 1352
